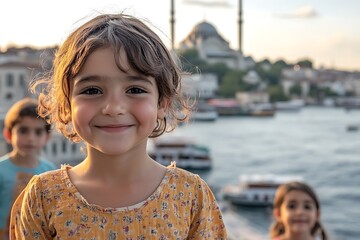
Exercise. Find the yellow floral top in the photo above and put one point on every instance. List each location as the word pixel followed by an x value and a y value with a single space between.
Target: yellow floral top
pixel 182 207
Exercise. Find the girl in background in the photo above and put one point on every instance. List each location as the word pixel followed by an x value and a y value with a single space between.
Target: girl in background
pixel 28 134
pixel 114 85
pixel 297 213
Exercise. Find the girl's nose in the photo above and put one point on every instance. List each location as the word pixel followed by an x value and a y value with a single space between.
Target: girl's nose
pixel 114 105
pixel 300 210
pixel 31 135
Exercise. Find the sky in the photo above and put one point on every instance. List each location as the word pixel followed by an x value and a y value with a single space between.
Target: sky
pixel 324 31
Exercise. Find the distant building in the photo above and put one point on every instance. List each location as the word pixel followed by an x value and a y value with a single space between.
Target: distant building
pixel 249 98
pixel 302 77
pixel 200 86
pixel 339 82
pixel 213 48
pixel 17 68
pixel 14 82
pixel 252 77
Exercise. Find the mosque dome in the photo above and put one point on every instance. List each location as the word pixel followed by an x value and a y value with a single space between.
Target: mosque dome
pixel 200 33
pixel 203 30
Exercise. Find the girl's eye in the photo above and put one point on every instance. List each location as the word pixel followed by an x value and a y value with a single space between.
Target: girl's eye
pixel 291 206
pixel 308 206
pixel 91 91
pixel 40 131
pixel 23 130
pixel 135 90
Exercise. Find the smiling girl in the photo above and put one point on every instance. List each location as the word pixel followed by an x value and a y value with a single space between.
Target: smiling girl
pixel 115 85
pixel 297 213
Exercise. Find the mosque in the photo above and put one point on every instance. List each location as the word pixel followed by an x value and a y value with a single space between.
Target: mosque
pixel 213 48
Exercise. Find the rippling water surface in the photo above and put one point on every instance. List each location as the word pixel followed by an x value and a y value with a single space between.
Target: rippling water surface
pixel 313 143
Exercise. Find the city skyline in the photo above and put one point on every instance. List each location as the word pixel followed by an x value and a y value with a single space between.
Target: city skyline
pixel 323 31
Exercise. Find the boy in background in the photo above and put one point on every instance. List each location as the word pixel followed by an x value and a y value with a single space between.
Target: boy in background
pixel 27 133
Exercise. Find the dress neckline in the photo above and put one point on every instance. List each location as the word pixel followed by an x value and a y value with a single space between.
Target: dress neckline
pixel 155 195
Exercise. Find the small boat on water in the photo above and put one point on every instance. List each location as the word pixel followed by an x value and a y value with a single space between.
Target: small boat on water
pixel 184 151
pixel 256 190
pixel 294 105
pixel 204 112
pixel 352 128
pixel 228 107
pixel 262 110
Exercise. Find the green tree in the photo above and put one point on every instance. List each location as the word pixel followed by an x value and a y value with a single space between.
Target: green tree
pixel 305 63
pixel 281 64
pixel 265 61
pixel 231 83
pixel 315 91
pixel 219 69
pixel 327 92
pixel 295 90
pixel 277 94
pixel 273 76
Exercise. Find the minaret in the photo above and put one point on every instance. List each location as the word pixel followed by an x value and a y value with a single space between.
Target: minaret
pixel 172 25
pixel 240 21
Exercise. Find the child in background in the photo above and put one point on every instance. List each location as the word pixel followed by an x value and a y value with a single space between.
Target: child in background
pixel 27 134
pixel 297 213
pixel 114 85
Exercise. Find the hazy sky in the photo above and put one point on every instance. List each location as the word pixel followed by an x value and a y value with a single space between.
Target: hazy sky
pixel 325 31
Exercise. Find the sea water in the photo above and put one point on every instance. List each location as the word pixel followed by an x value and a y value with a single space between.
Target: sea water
pixel 313 143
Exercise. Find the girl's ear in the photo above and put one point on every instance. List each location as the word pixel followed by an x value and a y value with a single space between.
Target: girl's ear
pixel 276 213
pixel 162 108
pixel 7 135
pixel 318 215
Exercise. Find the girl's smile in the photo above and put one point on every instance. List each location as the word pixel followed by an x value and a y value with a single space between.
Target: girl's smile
pixel 113 128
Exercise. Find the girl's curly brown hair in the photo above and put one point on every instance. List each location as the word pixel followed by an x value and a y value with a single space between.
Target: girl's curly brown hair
pixel 145 52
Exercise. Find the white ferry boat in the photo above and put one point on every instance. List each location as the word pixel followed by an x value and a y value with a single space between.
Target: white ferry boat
pixel 184 151
pixel 204 112
pixel 294 105
pixel 256 190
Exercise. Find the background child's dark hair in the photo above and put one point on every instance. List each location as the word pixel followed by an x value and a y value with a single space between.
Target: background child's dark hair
pixel 26 107
pixel 277 228
pixel 146 54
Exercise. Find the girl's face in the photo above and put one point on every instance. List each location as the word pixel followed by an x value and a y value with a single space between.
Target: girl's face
pixel 112 111
pixel 298 213
pixel 29 136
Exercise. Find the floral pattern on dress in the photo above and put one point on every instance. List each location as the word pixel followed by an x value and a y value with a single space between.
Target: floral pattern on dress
pixel 182 207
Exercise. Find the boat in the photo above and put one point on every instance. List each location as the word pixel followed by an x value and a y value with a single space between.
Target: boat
pixel 184 151
pixel 204 112
pixel 228 107
pixel 294 105
pixel 262 110
pixel 352 128
pixel 256 190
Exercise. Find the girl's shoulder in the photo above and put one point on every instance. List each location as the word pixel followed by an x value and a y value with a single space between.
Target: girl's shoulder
pixel 185 180
pixel 55 174
pixel 177 174
pixel 49 178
